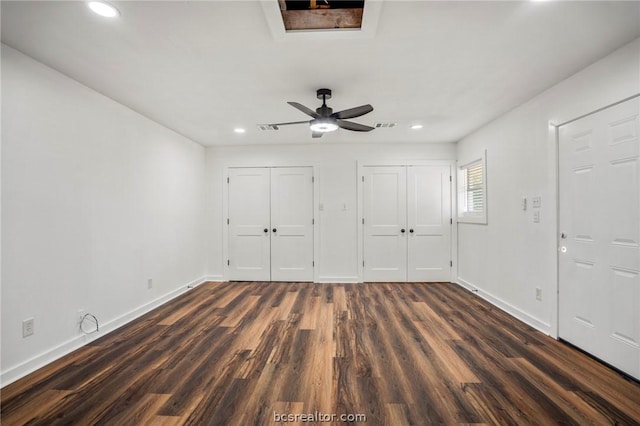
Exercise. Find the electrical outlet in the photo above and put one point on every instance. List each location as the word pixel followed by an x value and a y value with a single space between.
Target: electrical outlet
pixel 523 204
pixel 149 282
pixel 538 293
pixel 536 216
pixel 27 327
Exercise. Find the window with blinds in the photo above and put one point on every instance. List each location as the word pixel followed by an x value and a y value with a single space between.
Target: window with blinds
pixel 472 200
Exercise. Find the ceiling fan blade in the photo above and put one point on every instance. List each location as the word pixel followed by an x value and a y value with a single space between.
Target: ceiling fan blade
pixel 349 125
pixel 316 134
pixel 304 109
pixel 353 112
pixel 286 124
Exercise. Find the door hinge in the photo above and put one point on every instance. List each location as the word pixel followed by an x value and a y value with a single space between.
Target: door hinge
pixel 227 221
pixel 363 263
pixel 450 178
pixel 451 221
pixel 363 178
pixel 227 179
pixel 313 263
pixel 313 221
pixel 228 262
pixel 451 263
pixel 313 179
pixel 363 220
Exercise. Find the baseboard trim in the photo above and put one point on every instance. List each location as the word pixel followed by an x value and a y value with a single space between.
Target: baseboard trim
pixel 29 366
pixel 338 280
pixel 530 320
pixel 213 278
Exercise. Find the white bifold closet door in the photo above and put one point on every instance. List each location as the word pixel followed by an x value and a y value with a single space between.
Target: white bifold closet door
pixel 407 223
pixel 270 224
pixel 599 259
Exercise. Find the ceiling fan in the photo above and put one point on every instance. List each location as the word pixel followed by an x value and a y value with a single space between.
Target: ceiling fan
pixel 325 120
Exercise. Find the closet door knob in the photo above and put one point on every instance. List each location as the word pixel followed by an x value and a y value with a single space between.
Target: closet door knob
pixel 411 231
pixel 274 230
pixel 266 230
pixel 402 230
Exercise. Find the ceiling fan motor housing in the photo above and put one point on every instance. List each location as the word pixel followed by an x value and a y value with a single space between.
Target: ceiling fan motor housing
pixel 324 111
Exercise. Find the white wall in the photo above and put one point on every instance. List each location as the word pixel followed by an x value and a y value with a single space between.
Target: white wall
pixel 336 177
pixel 511 256
pixel 96 198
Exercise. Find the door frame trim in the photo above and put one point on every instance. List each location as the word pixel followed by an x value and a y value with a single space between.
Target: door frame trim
pixel 454 199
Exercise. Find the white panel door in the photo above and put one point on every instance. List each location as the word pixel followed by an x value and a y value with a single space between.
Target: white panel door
pixel 385 216
pixel 292 224
pixel 429 223
pixel 249 223
pixel 599 260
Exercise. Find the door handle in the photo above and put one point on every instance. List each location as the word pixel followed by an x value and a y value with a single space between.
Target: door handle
pixel 402 230
pixel 274 230
pixel 266 230
pixel 411 231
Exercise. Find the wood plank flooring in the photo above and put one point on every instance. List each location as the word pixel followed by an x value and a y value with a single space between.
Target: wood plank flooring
pixel 400 354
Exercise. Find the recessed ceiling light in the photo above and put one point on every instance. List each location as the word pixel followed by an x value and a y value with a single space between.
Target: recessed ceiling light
pixel 103 9
pixel 239 130
pixel 416 126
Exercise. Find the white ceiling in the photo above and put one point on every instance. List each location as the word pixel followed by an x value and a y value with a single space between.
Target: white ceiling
pixel 203 68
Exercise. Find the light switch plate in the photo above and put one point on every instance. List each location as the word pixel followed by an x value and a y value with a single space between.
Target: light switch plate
pixel 537 202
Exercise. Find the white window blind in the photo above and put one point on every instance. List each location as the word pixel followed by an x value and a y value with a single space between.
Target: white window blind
pixel 475 188
pixel 472 200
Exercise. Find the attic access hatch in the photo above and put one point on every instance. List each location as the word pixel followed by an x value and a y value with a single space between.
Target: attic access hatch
pixel 274 11
pixel 304 15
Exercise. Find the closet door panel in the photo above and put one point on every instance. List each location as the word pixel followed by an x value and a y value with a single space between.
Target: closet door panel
pixel 429 223
pixel 249 217
pixel 385 215
pixel 292 224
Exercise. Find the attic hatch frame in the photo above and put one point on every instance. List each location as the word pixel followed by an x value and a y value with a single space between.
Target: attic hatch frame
pixel 369 25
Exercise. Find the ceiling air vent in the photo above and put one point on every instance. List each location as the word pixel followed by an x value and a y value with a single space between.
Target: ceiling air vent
pixel 382 125
pixel 266 127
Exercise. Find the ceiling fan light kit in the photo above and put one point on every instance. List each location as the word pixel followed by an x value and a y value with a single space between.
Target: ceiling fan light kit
pixel 325 120
pixel 323 125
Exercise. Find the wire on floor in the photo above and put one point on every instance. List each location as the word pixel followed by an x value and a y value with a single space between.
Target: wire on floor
pixel 92 319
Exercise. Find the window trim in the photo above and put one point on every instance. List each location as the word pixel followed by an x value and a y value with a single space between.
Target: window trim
pixel 463 215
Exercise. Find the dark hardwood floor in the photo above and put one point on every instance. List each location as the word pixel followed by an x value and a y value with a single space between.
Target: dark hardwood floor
pixel 401 354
